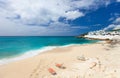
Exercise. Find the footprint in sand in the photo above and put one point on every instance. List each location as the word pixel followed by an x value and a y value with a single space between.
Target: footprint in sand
pixel 35 72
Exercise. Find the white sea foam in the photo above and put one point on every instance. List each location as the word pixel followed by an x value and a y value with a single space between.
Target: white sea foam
pixel 68 45
pixel 30 54
pixel 27 54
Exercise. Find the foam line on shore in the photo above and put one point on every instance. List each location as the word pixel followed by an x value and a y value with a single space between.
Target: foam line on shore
pixel 25 55
pixel 30 53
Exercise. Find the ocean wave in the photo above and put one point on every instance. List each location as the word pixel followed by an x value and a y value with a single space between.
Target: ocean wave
pixel 30 53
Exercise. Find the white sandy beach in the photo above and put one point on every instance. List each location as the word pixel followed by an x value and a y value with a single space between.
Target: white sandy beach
pixel 102 61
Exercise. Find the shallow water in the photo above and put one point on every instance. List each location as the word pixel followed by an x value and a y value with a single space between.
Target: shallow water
pixel 13 46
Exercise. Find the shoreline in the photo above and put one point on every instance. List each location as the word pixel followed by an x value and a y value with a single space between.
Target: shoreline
pixel 33 53
pixel 38 65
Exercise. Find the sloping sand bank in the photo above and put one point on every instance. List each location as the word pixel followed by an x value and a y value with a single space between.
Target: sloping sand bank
pixel 101 61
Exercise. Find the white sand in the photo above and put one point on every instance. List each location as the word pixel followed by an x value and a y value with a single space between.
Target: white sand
pixel 102 61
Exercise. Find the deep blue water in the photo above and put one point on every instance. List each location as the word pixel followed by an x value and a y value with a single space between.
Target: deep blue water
pixel 12 46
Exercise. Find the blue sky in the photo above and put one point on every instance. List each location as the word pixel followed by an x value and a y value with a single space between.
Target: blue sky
pixel 57 17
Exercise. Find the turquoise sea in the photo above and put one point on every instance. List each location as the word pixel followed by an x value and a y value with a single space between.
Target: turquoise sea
pixel 12 47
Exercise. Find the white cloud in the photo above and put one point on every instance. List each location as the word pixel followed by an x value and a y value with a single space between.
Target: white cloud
pixel 42 12
pixel 117 21
pixel 112 18
pixel 8 28
pixel 111 26
pixel 115 25
pixel 118 0
pixel 71 15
